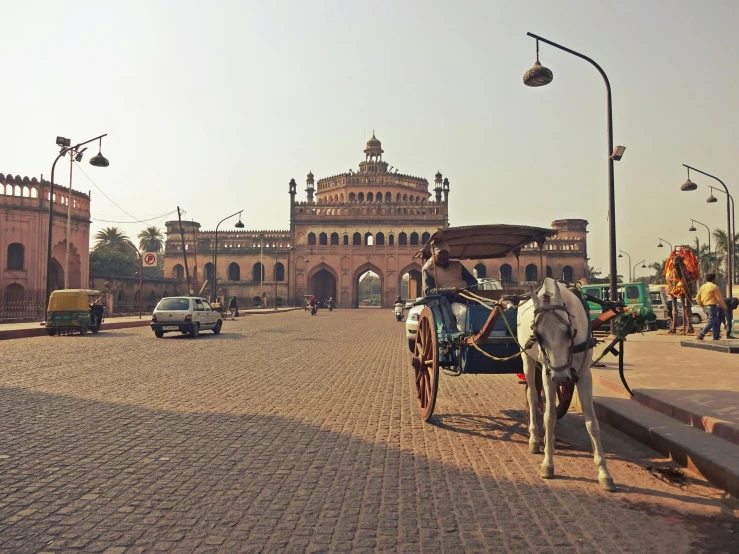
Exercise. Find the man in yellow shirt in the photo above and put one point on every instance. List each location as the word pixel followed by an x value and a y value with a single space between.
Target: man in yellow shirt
pixel 710 297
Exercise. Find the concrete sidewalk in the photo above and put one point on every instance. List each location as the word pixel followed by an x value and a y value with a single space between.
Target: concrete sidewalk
pixel 35 329
pixel 685 403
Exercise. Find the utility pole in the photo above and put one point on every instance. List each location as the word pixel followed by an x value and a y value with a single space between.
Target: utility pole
pixel 69 221
pixel 261 269
pixel 275 278
pixel 184 252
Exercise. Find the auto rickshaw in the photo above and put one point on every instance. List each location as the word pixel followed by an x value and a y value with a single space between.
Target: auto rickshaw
pixel 73 310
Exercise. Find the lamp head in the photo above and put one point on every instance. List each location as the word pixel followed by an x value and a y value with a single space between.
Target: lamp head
pixel 620 255
pixel 711 199
pixel 63 142
pixel 239 225
pixel 538 75
pixel 98 160
pixel 78 157
pixel 659 245
pixel 643 266
pixel 618 153
pixel 692 229
pixel 688 185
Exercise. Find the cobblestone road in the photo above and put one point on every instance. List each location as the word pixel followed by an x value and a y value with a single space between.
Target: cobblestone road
pixel 296 433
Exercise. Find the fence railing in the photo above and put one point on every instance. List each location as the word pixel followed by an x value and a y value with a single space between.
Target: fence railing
pixel 22 306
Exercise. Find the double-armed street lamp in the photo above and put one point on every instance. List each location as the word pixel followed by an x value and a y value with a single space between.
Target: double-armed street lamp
pixel 693 229
pixel 621 255
pixel 98 160
pixel 689 186
pixel 238 225
pixel 539 76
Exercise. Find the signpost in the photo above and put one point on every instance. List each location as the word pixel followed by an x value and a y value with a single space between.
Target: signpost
pixel 150 259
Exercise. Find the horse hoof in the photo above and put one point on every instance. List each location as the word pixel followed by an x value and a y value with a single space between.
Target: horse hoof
pixel 534 447
pixel 546 472
pixel 607 484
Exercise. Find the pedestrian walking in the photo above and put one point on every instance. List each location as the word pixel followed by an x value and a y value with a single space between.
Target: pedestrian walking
pixel 726 317
pixel 233 307
pixel 710 297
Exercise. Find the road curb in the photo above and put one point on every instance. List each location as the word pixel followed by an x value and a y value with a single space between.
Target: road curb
pixel 40 331
pixel 712 457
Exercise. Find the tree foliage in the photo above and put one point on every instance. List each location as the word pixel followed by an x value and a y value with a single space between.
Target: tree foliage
pixel 113 262
pixel 112 238
pixel 151 239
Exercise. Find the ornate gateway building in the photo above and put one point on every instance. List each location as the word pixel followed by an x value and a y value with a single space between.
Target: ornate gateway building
pixel 372 220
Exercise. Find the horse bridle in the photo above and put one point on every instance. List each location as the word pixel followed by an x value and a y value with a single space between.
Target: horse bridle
pixel 553 309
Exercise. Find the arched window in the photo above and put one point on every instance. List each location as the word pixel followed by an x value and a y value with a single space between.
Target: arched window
pixel 405 198
pixel 397 197
pixel 14 292
pixel 257 273
pixel 414 239
pixel 346 240
pixel 567 274
pixel 369 239
pixel 402 239
pixel 323 239
pixel 356 239
pixel 234 272
pixel 178 272
pixel 311 239
pixel 480 271
pixel 360 197
pixel 152 296
pixel 370 197
pixel 334 239
pixel 378 197
pixel 549 271
pixel 16 256
pixel 279 272
pixel 506 274
pixel 352 197
pixel 425 238
pixel 532 272
pixel 388 197
pixel 391 240
pixel 380 239
pixel 209 271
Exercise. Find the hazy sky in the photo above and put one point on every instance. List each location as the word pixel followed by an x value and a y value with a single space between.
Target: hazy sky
pixel 216 105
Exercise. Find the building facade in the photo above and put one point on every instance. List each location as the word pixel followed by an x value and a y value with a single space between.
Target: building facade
pixel 24 208
pixel 370 220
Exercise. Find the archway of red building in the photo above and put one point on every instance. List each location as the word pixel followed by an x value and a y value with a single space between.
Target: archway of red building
pixel 414 287
pixel 358 273
pixel 322 281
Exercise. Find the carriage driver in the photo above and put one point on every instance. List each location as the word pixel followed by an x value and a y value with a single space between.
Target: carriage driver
pixel 447 277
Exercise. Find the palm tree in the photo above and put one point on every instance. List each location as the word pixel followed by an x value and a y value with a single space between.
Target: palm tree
pixel 659 268
pixel 151 239
pixel 113 238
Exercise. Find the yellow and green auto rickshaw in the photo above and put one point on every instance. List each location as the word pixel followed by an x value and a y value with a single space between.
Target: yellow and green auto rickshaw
pixel 73 310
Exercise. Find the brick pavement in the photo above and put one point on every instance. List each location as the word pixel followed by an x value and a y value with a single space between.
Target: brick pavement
pixel 299 433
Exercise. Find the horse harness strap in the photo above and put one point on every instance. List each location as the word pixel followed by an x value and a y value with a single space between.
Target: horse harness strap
pixel 574 349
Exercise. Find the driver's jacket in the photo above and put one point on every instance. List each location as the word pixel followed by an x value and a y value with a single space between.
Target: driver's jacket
pixel 440 280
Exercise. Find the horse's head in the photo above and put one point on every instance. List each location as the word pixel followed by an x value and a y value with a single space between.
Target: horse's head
pixel 553 331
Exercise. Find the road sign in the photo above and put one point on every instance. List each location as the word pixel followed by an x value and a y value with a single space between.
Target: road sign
pixel 150 259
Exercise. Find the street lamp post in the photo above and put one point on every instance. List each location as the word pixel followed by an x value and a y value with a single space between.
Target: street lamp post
pixel 660 245
pixel 539 76
pixel 274 271
pixel 238 225
pixel 693 229
pixel 690 185
pixel 141 273
pixel 620 255
pixel 261 269
pixel 635 265
pixel 712 199
pixel 98 160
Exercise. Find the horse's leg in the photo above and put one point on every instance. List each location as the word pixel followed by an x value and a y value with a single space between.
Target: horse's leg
pixel 532 399
pixel 550 419
pixel 585 392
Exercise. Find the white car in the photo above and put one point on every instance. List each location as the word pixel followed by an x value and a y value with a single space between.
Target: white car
pixel 411 324
pixel 186 315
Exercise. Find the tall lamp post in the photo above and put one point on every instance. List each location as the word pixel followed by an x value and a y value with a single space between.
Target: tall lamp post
pixel 712 199
pixel 693 229
pixel 98 160
pixel 238 225
pixel 141 274
pixel 635 265
pixel 690 185
pixel 660 245
pixel 539 76
pixel 261 269
pixel 620 255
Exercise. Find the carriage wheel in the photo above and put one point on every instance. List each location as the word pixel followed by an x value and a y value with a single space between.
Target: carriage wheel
pixel 426 364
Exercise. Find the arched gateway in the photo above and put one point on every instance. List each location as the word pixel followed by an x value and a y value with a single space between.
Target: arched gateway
pixel 373 219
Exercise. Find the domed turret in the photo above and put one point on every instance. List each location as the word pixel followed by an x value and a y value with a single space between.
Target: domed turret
pixel 373 150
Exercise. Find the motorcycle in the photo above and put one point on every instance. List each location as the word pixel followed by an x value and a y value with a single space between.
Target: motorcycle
pixel 399 313
pixel 313 310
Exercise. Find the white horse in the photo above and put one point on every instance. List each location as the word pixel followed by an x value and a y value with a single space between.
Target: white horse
pixel 552 324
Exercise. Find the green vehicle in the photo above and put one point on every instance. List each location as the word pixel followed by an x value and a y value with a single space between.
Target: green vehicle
pixel 633 295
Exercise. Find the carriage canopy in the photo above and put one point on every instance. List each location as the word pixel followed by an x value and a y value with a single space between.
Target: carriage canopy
pixel 478 242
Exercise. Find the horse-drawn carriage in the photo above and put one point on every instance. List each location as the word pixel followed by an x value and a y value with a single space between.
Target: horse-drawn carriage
pixel 501 333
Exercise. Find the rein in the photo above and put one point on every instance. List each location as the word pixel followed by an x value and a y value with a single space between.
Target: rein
pixel 553 309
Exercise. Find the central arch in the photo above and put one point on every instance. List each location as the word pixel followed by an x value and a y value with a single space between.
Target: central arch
pixel 358 273
pixel 322 281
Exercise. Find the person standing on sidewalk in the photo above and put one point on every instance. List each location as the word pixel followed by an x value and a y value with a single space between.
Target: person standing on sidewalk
pixel 710 296
pixel 233 307
pixel 726 317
